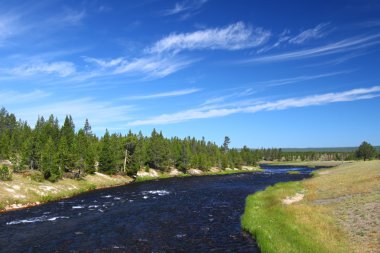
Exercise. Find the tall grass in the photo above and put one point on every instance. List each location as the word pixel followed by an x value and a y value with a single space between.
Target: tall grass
pixel 297 228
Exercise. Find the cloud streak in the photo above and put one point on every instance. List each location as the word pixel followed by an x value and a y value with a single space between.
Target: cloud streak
pixel 350 44
pixel 151 66
pixel 164 94
pixel 297 79
pixel 314 33
pixel 314 100
pixel 60 68
pixel 285 38
pixel 232 37
pixel 73 17
pixel 185 8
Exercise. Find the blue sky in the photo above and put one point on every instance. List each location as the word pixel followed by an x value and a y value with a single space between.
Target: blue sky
pixel 265 73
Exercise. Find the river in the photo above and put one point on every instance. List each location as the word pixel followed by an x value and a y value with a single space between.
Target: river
pixel 191 214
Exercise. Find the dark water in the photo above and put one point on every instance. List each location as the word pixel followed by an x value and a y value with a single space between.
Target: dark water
pixel 194 214
pixel 285 168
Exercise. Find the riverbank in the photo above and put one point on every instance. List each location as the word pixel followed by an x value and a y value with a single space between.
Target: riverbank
pixel 155 175
pixel 334 211
pixel 23 192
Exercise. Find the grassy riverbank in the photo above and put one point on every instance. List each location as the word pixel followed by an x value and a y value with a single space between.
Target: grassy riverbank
pixel 22 191
pixel 335 211
pixel 198 173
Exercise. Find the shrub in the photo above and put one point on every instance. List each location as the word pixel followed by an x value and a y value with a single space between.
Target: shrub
pixel 71 175
pixel 5 173
pixel 53 178
pixel 36 176
pixel 33 175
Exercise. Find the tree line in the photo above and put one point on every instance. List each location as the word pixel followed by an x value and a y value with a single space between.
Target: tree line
pixel 58 151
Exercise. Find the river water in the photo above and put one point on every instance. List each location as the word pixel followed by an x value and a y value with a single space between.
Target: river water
pixel 192 214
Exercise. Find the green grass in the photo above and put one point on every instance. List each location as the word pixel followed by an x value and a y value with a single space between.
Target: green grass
pixel 294 172
pixel 333 216
pixel 227 172
pixel 279 228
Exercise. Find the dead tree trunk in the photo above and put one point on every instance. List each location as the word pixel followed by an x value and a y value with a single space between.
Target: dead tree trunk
pixel 125 161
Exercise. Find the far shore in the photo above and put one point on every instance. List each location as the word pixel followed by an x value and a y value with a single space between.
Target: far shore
pixel 310 164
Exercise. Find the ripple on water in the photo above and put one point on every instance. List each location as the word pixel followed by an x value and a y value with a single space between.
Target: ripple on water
pixel 77 207
pixel 36 219
pixel 156 192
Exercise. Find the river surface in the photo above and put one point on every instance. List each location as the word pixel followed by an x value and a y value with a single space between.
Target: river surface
pixel 192 214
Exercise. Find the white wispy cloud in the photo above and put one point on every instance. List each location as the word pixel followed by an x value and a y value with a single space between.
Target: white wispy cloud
pixel 246 92
pixel 174 93
pixel 185 116
pixel 185 8
pixel 313 33
pixel 151 66
pixel 154 66
pixel 349 44
pixel 238 94
pixel 60 68
pixel 71 16
pixel 205 112
pixel 12 97
pixel 232 37
pixel 284 81
pixel 146 66
pixel 105 63
pixel 285 38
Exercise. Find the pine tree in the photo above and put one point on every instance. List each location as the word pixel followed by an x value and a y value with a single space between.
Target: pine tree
pixel 158 151
pixel 184 161
pixel 64 157
pixel 68 131
pixel 80 147
pixel 139 158
pixel 226 143
pixel 48 163
pixel 107 162
pixel 87 128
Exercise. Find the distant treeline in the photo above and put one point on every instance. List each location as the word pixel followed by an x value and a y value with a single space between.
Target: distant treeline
pixel 58 151
pixel 329 150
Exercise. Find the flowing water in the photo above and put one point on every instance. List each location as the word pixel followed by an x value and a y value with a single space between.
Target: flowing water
pixel 192 214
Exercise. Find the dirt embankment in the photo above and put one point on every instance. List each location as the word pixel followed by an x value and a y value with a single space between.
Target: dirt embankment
pixel 23 192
